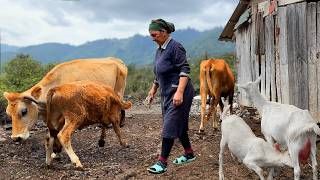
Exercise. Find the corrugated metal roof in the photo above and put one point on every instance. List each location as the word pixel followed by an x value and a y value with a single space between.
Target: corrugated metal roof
pixel 227 33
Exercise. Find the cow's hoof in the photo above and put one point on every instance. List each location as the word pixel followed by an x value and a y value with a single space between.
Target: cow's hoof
pixel 101 143
pixel 80 168
pixel 201 132
pixel 48 165
pixel 125 144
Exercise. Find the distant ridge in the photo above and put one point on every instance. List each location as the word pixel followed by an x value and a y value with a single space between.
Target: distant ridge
pixel 138 49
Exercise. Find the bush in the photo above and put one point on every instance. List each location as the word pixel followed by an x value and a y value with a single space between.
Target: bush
pixel 139 81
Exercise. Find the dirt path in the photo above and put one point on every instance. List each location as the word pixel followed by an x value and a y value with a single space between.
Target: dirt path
pixel 26 160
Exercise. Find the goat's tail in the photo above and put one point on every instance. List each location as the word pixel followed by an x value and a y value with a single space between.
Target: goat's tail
pixel 308 128
pixel 209 73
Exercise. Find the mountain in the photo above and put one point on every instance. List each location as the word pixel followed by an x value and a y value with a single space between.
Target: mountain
pixel 8 48
pixel 138 49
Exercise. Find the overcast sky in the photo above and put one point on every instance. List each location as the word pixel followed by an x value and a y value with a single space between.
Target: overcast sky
pixel 30 22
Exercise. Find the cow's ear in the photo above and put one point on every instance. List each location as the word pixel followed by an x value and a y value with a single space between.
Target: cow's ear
pixel 10 96
pixel 36 92
pixel 6 95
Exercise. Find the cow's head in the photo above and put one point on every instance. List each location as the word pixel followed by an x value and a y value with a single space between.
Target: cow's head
pixel 23 111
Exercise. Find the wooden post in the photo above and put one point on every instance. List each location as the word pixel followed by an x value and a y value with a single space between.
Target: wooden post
pixel 277 59
pixel 312 59
pixel 318 56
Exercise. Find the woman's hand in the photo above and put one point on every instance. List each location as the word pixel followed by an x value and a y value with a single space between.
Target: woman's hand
pixel 152 92
pixel 178 98
pixel 151 95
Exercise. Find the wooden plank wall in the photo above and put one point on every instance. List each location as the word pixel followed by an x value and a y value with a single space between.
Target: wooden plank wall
pixel 284 48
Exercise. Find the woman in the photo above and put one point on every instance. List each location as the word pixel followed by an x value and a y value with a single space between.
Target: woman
pixel 172 76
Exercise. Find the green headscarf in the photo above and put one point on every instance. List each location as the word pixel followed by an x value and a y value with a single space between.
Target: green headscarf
pixel 160 24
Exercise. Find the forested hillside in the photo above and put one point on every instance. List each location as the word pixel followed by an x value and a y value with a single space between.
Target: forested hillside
pixel 138 50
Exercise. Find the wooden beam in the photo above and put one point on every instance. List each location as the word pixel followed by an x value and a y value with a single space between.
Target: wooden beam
pixel 286 2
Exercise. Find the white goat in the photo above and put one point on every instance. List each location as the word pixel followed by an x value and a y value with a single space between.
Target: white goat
pixel 254 152
pixel 291 127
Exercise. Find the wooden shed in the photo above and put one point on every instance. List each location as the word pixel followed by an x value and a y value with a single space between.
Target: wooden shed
pixel 279 40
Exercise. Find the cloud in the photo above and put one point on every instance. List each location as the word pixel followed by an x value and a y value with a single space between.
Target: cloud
pixel 77 21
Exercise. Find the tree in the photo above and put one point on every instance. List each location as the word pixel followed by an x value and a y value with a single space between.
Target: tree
pixel 22 73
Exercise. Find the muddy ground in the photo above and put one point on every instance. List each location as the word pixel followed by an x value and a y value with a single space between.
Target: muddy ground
pixel 26 160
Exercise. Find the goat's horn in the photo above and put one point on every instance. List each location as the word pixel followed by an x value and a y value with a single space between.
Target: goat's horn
pixel 258 80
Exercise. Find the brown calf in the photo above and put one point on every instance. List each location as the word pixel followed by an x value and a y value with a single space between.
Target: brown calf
pixel 216 80
pixel 75 105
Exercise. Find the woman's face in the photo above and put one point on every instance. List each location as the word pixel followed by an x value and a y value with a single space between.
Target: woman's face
pixel 159 36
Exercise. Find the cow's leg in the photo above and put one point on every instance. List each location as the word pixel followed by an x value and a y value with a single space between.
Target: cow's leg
pixel 313 157
pixel 213 110
pixel 221 105
pixel 49 148
pixel 65 139
pixel 222 146
pixel 102 136
pixel 204 119
pixel 116 127
pixel 123 118
pixel 231 100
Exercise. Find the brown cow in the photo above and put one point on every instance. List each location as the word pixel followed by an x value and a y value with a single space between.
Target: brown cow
pixel 216 80
pixel 24 113
pixel 78 104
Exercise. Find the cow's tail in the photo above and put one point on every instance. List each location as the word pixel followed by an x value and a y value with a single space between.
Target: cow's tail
pixel 49 100
pixel 209 73
pixel 123 104
pixel 51 128
pixel 126 105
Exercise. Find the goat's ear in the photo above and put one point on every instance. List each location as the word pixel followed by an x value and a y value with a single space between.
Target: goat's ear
pixel 224 101
pixel 258 80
